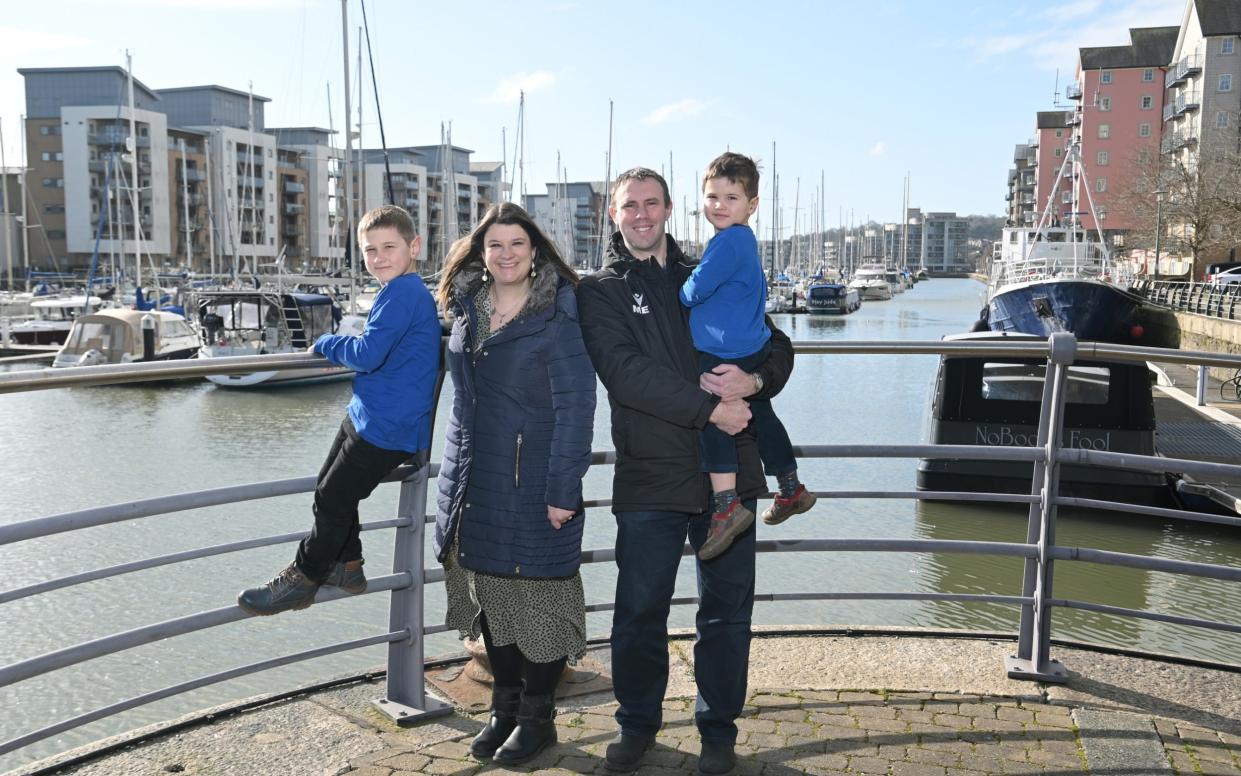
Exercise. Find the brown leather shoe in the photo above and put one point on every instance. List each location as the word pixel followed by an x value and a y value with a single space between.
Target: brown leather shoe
pixel 782 509
pixel 725 527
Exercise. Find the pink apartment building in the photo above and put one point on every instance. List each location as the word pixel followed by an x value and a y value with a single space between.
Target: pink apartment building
pixel 1054 128
pixel 1121 94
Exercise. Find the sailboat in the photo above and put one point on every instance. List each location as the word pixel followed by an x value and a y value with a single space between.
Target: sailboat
pixel 1057 276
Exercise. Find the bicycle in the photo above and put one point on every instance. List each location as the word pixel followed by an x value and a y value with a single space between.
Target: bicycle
pixel 1230 389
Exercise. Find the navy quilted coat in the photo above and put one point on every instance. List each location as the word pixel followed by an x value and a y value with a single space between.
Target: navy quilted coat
pixel 518 439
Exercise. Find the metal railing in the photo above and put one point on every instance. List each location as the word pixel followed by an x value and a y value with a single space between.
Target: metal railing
pixel 1222 300
pixel 406 700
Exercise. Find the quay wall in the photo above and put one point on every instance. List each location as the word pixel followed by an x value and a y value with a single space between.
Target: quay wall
pixel 1218 335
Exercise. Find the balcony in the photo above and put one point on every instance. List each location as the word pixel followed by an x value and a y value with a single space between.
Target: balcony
pixel 292 187
pixel 1186 102
pixel 1187 66
pixel 192 175
pixel 293 210
pixel 411 183
pixel 1072 92
pixel 1169 111
pixel 1174 141
pixel 410 202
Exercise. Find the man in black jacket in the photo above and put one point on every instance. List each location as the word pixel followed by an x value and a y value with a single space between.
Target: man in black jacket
pixel 637 334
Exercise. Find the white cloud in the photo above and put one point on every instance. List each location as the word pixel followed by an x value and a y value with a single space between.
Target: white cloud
pixel 878 149
pixel 19 43
pixel 674 111
pixel 510 89
pixel 1065 28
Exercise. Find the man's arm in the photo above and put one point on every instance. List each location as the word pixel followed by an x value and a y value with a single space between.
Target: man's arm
pixel 729 382
pixel 633 378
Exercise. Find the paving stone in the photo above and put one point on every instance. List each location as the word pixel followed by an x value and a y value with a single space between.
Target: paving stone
pixel 917 769
pixel 1015 714
pixel 1181 761
pixel 452 768
pixel 877 712
pixel 1054 718
pixel 370 770
pixel 819 763
pixel 833 720
pixel 820 695
pixel 765 740
pixel 456 750
pixel 955 721
pixel 915 715
pixel 796 729
pixel 407 761
pixel 1207 768
pixel 868 765
pixel 983 710
pixel 883 725
pixel 756 725
pixel 853 696
pixel 986 763
pixel 932 756
pixel 1215 753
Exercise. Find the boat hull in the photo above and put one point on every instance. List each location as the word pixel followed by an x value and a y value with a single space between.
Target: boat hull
pixel 1092 310
pixel 281 377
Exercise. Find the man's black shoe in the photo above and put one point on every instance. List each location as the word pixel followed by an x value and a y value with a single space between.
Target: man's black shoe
pixel 624 753
pixel 291 589
pixel 717 757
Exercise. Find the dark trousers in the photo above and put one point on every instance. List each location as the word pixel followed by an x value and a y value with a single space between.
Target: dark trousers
pixel 648 551
pixel 350 473
pixel 719 451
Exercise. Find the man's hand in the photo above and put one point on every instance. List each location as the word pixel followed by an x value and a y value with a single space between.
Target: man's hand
pixel 731 417
pixel 727 381
pixel 558 517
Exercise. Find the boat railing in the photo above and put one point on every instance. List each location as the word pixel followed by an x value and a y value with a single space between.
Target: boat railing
pixel 1222 300
pixel 405 699
pixel 1041 267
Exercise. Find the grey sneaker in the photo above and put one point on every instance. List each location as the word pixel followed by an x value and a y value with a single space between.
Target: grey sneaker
pixel 291 589
pixel 725 527
pixel 347 576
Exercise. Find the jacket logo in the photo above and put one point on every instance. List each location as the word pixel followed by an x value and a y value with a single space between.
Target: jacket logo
pixel 639 305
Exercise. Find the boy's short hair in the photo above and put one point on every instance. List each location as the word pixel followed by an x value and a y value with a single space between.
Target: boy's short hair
pixel 737 168
pixel 388 215
pixel 640 174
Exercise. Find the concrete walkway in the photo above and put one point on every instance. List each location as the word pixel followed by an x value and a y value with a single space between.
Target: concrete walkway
pixel 858 704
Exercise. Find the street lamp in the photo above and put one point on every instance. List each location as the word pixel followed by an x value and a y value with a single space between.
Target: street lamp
pixel 1158 225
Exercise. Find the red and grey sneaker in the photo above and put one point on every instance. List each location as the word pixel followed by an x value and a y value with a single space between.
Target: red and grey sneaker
pixel 725 527
pixel 782 508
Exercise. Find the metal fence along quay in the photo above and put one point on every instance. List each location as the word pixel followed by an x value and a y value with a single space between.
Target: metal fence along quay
pixel 406 700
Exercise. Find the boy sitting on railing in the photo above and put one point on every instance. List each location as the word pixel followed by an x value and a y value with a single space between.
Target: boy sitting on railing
pixel 396 358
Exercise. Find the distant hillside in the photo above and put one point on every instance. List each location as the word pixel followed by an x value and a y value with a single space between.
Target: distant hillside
pixel 985 227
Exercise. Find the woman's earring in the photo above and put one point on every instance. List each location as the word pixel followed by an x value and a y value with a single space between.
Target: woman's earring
pixel 484 274
pixel 533 271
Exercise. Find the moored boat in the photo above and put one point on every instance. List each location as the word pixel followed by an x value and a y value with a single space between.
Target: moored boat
pixel 871 283
pixel 832 298
pixel 51 319
pixel 116 336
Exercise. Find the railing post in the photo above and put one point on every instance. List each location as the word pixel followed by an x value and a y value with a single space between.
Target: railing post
pixel 406 701
pixel 1203 372
pixel 1032 660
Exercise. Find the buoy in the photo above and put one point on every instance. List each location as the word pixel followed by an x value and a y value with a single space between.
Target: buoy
pixel 1136 331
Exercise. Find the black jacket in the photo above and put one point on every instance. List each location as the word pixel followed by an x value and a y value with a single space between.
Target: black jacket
pixel 637 334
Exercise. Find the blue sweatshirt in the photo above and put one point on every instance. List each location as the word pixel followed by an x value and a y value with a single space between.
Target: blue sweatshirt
pixel 396 358
pixel 727 296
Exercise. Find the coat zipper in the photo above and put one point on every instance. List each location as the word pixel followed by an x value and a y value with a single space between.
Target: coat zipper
pixel 517 465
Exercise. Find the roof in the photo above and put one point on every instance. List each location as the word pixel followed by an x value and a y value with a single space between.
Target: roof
pixel 1148 47
pixel 212 87
pixel 103 69
pixel 302 129
pixel 1053 119
pixel 485 166
pixel 1219 17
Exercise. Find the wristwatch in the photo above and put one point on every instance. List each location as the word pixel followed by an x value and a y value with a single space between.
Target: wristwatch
pixel 758 382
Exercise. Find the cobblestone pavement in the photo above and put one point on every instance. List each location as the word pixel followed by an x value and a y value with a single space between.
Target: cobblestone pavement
pixel 831 732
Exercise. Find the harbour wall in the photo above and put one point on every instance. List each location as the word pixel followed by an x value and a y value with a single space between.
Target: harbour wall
pixel 1217 335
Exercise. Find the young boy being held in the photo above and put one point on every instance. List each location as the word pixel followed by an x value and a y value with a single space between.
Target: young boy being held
pixel 727 297
pixel 396 358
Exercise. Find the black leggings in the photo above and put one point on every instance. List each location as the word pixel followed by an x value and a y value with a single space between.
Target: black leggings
pixel 508 665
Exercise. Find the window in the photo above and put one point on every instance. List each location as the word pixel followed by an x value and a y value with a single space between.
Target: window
pixel 1148 75
pixel 1221 119
pixel 54 209
pixel 1226 46
pixel 1144 130
pixel 1105 77
pixel 1148 102
pixel 49 183
pixel 1100 185
pixel 1059 133
pixel 1105 103
pixel 1144 156
pixel 1105 131
pixel 1101 158
pixel 47 156
pixel 49 129
pixel 1225 82
pixel 1066 196
pixel 1059 152
pixel 55 234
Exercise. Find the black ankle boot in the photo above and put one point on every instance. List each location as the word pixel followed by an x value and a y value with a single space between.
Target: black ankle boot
pixel 535 731
pixel 504 703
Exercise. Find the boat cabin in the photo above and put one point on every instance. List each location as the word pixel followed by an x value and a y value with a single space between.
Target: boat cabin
pixel 995 401
pixel 115 336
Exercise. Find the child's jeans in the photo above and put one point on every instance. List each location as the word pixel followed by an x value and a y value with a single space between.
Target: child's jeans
pixel 353 468
pixel 719 452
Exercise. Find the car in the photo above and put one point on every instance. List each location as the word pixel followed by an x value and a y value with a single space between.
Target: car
pixel 1216 268
pixel 1226 277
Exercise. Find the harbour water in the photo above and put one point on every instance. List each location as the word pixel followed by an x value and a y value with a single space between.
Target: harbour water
pixel 76 448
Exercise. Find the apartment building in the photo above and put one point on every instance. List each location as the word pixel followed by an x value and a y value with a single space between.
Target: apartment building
pixel 1121 94
pixel 1203 81
pixel 310 170
pixel 12 258
pixel 936 241
pixel 406 170
pixel 581 218
pixel 555 215
pixel 1022 180
pixel 1053 134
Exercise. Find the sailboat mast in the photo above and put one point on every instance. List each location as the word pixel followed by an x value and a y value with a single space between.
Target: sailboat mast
pixel 607 187
pixel 4 194
pixel 521 144
pixel 210 207
pixel 254 205
pixel 25 198
pixel 133 171
pixel 775 199
pixel 361 154
pixel 348 171
pixel 185 200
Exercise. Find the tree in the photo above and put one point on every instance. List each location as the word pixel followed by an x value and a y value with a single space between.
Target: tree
pixel 1199 210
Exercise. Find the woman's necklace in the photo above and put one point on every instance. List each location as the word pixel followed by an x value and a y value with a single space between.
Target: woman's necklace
pixel 501 317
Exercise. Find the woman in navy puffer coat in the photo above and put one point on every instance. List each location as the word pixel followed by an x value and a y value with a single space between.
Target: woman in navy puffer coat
pixel 509 524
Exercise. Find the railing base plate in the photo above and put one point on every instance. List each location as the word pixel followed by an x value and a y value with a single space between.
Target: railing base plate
pixel 1053 671
pixel 407 716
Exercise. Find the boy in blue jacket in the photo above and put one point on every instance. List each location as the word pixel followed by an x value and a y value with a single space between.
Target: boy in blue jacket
pixel 396 358
pixel 727 297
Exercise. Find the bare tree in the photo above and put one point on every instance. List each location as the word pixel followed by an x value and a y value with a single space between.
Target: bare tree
pixel 1194 198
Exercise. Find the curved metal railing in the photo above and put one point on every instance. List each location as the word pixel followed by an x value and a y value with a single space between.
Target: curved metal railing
pixel 406 701
pixel 1217 301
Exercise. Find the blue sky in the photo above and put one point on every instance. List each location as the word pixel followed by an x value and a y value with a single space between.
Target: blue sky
pixel 862 92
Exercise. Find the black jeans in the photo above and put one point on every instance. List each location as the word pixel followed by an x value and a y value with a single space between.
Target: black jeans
pixel 648 554
pixel 350 473
pixel 719 451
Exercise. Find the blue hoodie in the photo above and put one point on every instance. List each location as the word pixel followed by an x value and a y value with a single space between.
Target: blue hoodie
pixel 396 358
pixel 727 296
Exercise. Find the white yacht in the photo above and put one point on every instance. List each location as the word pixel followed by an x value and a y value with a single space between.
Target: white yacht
pixel 115 336
pixel 871 282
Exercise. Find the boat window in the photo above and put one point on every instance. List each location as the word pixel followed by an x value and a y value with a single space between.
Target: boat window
pixel 1012 237
pixel 1024 382
pixel 1056 237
